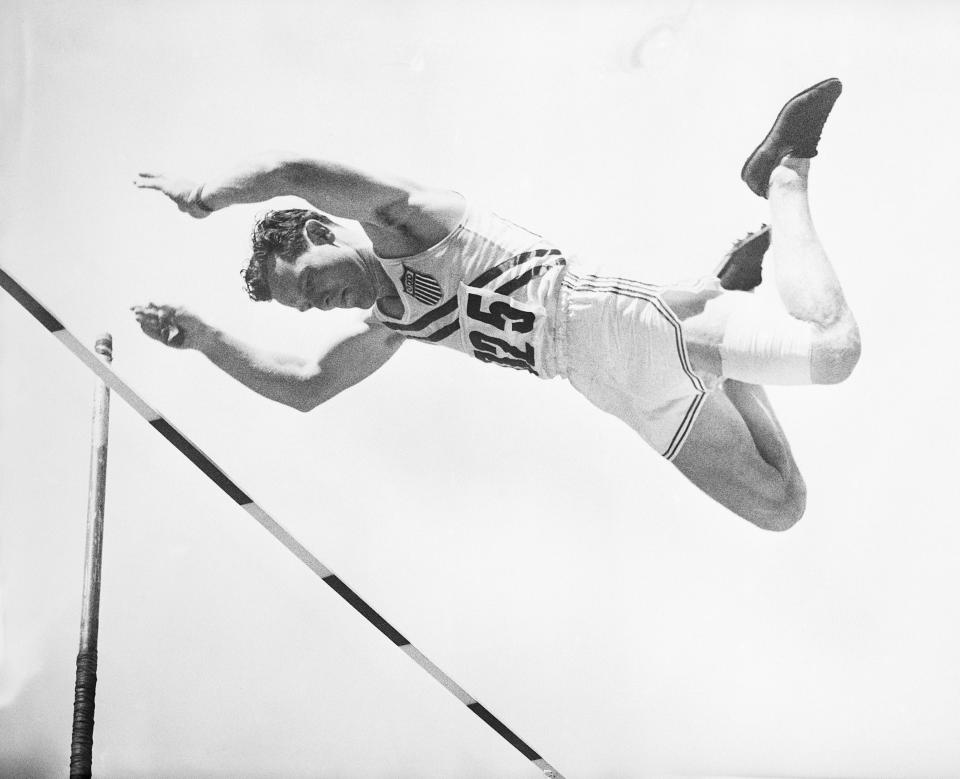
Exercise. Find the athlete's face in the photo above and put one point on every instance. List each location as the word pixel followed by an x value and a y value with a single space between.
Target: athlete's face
pixel 329 274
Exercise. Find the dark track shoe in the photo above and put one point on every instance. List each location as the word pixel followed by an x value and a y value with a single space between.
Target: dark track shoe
pixel 796 131
pixel 741 266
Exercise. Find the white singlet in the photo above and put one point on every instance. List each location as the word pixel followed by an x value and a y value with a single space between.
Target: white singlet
pixel 504 295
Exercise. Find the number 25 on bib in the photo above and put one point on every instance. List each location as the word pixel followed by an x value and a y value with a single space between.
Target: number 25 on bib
pixel 498 329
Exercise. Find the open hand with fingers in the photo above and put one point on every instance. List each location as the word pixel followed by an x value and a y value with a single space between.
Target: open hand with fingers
pixel 184 192
pixel 173 326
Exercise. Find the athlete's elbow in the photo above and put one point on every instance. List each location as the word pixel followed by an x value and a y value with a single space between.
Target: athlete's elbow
pixel 303 405
pixel 307 394
pixel 308 401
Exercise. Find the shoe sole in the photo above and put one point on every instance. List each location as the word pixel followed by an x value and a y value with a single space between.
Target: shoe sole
pixel 743 170
pixel 733 280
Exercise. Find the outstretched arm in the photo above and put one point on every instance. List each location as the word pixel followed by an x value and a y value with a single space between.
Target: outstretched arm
pixel 390 208
pixel 295 381
pixel 738 454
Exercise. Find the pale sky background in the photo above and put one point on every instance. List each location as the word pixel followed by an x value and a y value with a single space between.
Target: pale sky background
pixel 535 549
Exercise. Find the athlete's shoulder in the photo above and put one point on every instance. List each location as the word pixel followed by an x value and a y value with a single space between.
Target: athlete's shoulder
pixel 427 213
pixel 421 219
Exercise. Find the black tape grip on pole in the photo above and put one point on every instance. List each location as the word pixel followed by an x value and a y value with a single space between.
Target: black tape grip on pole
pixel 81 746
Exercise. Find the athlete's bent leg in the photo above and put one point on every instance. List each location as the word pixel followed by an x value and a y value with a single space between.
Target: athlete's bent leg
pixel 812 338
pixel 738 454
pixel 806 281
pixel 777 169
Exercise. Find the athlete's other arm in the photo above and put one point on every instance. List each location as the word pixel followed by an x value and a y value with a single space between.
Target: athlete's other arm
pixel 739 455
pixel 400 215
pixel 301 383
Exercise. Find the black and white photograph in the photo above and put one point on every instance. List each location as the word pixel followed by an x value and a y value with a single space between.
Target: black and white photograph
pixel 479 390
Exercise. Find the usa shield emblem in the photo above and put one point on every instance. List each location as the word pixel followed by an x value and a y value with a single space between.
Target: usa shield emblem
pixel 421 286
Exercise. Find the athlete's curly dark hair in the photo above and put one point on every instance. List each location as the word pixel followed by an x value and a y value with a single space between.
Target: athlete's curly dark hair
pixel 277 234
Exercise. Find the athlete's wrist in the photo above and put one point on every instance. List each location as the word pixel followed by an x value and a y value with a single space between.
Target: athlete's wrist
pixel 203 338
pixel 197 201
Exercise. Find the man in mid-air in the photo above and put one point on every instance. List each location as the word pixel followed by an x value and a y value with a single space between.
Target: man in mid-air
pixel 683 364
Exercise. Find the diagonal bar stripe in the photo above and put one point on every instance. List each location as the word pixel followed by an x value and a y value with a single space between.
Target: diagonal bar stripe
pixel 279 532
pixel 30 303
pixel 199 459
pixel 205 464
pixel 437 673
pixel 364 609
pixel 504 731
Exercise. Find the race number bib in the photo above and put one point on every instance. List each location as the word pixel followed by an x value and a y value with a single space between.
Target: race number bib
pixel 498 329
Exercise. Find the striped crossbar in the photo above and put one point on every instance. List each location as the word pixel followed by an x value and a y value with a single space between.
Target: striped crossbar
pixel 225 483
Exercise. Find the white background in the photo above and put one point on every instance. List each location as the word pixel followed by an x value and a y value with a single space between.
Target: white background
pixel 534 548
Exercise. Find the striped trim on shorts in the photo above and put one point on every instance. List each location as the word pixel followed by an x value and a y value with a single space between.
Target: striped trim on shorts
pixel 631 359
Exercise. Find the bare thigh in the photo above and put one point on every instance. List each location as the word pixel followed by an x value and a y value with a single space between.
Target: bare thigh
pixel 738 455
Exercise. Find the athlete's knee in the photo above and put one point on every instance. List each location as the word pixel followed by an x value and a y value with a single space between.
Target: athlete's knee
pixel 785 513
pixel 790 511
pixel 776 506
pixel 786 508
pixel 836 353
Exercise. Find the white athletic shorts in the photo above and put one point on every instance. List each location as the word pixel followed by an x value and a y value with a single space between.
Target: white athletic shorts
pixel 622 347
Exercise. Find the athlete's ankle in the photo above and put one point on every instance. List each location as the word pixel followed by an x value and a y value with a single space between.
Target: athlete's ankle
pixel 799 164
pixel 791 173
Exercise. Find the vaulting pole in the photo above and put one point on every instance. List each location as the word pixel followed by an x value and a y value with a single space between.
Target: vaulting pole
pixel 81 745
